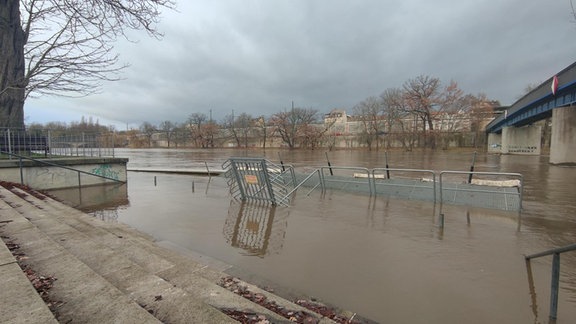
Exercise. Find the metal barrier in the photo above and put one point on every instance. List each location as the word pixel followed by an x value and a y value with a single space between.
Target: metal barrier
pixel 60 143
pixel 259 179
pixel 83 144
pixel 425 183
pixel 341 183
pixel 480 192
pixel 555 274
pixel 303 182
pixel 18 141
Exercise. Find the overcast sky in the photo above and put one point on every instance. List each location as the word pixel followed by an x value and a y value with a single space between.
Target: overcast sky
pixel 257 56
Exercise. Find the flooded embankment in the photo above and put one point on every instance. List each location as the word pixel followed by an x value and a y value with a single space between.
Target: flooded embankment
pixel 384 258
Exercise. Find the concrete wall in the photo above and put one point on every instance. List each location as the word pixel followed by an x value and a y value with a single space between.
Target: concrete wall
pixel 563 141
pixel 522 140
pixel 40 176
pixel 494 143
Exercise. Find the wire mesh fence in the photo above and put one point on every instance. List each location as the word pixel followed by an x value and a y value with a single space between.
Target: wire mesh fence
pixel 55 144
pixel 253 179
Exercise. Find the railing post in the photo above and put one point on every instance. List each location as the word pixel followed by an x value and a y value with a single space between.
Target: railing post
pixel 472 168
pixel 21 171
pixel 79 184
pixel 554 286
pixel 434 185
pixel 440 191
pixel 329 165
pixel 10 143
pixel 49 142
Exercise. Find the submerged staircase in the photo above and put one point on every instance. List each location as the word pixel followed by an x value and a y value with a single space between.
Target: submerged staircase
pixel 107 272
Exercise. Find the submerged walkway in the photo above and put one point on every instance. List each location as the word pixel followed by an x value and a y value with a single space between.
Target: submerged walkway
pixel 106 272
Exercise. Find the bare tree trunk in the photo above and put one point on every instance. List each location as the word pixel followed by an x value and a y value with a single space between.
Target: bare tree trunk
pixel 12 85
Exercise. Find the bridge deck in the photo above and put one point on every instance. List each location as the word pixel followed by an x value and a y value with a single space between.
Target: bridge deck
pixel 538 104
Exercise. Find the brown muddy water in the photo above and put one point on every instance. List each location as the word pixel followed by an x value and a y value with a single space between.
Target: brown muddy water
pixel 386 259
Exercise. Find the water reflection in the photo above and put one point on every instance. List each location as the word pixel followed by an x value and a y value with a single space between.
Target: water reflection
pixel 90 199
pixel 257 228
pixel 532 289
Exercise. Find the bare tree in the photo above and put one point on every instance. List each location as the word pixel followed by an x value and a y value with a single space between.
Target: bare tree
pixel 180 134
pixel 396 112
pixel 371 117
pixel 202 131
pixel 64 47
pixel 239 128
pixel 196 122
pixel 291 125
pixel 167 128
pixel 148 130
pixel 423 94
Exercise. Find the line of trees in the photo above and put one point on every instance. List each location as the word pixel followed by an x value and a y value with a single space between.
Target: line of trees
pixel 421 113
pixel 297 127
pixel 419 109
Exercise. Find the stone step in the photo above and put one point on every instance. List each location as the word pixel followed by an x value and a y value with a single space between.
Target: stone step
pixel 84 295
pixel 162 299
pixel 149 262
pixel 20 301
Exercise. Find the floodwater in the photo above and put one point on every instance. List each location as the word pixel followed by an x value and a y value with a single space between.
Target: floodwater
pixel 386 259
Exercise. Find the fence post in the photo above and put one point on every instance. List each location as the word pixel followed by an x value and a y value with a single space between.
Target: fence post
pixel 386 158
pixel 21 172
pixel 472 168
pixel 49 142
pixel 554 286
pixel 10 144
pixel 329 165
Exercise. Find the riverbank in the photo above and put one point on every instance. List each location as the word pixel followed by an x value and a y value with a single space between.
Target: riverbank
pixel 92 263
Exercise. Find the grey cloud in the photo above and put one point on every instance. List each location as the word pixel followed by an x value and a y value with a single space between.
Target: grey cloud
pixel 257 56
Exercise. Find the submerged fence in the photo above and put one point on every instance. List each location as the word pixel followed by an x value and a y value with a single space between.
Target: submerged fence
pixel 57 143
pixel 261 180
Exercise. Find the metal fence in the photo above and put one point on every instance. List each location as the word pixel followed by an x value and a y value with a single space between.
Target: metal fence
pixel 14 141
pixel 56 143
pixel 82 144
pixel 261 180
pixel 257 179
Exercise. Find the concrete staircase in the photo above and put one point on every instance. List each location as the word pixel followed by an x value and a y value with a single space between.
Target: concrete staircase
pixel 106 272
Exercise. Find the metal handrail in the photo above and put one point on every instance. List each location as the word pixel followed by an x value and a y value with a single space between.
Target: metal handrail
pixel 363 170
pixel 559 250
pixel 555 281
pixel 20 157
pixel 320 183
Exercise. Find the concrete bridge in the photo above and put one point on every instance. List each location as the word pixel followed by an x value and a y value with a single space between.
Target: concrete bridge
pixel 514 132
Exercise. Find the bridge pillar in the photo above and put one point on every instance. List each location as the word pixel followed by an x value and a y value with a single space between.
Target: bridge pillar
pixel 563 142
pixel 522 140
pixel 494 143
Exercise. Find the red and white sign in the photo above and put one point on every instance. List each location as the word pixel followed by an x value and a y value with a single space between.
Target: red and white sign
pixel 554 85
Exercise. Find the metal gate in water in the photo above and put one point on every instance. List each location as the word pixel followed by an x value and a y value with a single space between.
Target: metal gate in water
pixel 260 180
